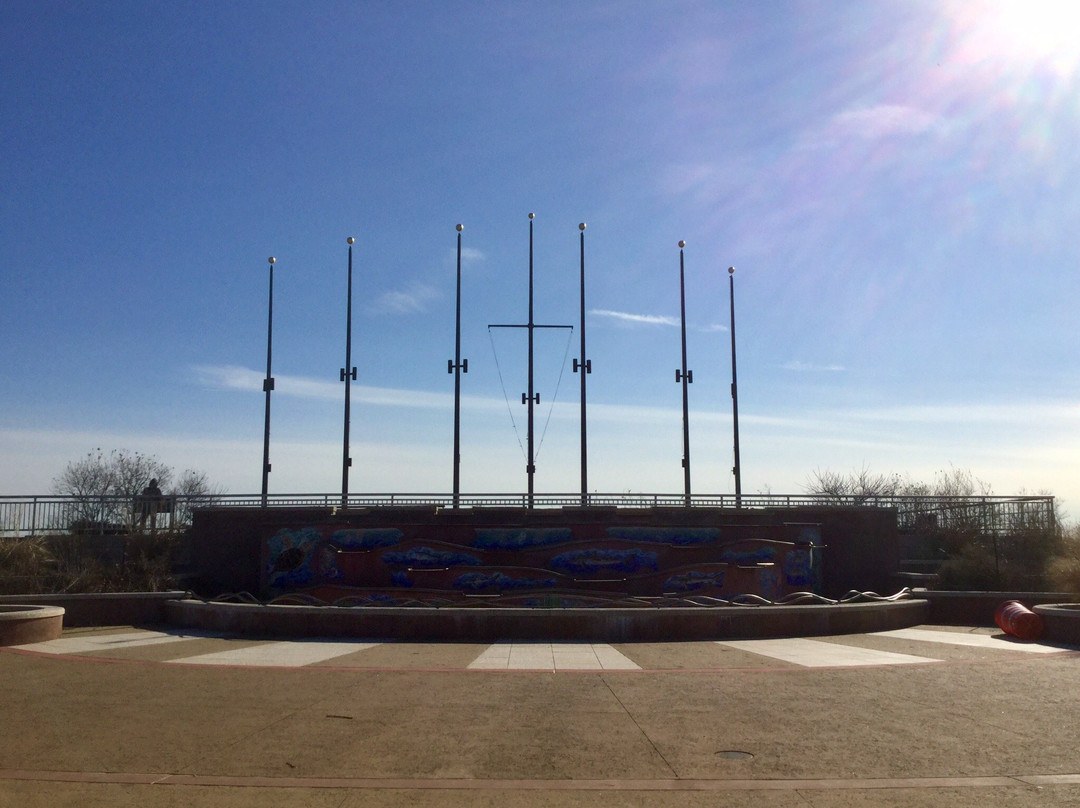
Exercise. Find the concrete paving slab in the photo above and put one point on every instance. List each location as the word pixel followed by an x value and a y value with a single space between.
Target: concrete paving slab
pixel 693 656
pixel 494 657
pixel 278 654
pixel 995 642
pixel 552 657
pixel 412 656
pixel 85 643
pixel 167 652
pixel 943 651
pixel 612 659
pixel 817 654
pixel 531 656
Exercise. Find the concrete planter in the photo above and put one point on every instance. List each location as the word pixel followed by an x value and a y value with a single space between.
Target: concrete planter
pixel 26 623
pixel 1061 622
pixel 595 625
pixel 103 609
pixel 956 608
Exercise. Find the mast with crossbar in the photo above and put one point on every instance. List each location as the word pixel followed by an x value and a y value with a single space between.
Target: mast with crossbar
pixel 530 398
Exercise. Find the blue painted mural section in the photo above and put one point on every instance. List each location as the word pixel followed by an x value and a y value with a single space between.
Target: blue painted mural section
pixel 769 581
pixel 298 558
pixel 610 562
pixel 588 562
pixel 762 555
pixel 675 536
pixel 427 558
pixel 520 538
pixel 478 581
pixel 365 539
pixel 693 581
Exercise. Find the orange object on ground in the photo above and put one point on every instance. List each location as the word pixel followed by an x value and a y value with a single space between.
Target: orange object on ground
pixel 1013 617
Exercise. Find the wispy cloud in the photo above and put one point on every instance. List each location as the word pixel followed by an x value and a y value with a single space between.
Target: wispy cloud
pixel 882 120
pixel 637 319
pixel 653 319
pixel 234 377
pixel 411 300
pixel 241 379
pixel 1022 414
pixel 809 367
pixel 472 255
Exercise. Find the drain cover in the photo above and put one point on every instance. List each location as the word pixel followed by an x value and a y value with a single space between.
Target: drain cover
pixel 734 754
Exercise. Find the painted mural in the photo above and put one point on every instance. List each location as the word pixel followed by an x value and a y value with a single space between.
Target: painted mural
pixel 587 565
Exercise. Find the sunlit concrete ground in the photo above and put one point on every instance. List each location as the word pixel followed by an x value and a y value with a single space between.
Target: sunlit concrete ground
pixel 930 716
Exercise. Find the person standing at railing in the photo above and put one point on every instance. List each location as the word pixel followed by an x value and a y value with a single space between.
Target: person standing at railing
pixel 148 504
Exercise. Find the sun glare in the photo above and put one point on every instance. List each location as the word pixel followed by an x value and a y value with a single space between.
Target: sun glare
pixel 1030 32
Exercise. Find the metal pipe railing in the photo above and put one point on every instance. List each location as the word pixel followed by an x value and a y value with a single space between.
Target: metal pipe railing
pixel 32 515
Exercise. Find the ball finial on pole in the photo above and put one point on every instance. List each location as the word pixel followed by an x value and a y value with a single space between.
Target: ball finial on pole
pixel 460 227
pixel 532 215
pixel 272 259
pixel 682 244
pixel 351 240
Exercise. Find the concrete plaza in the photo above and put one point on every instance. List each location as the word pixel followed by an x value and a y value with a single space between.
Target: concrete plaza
pixel 155 717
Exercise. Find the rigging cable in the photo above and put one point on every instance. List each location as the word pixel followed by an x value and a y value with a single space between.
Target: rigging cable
pixel 505 396
pixel 551 408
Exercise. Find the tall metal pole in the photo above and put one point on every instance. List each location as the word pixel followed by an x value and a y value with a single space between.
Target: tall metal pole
pixel 457 366
pixel 735 392
pixel 531 397
pixel 348 374
pixel 268 385
pixel 530 470
pixel 686 377
pixel 584 366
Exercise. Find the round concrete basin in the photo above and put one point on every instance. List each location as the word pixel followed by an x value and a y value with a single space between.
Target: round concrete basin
pixel 1061 621
pixel 23 624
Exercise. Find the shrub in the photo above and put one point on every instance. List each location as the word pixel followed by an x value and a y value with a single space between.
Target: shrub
pixel 1064 567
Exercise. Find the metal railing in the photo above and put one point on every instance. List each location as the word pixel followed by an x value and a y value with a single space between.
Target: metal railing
pixel 33 515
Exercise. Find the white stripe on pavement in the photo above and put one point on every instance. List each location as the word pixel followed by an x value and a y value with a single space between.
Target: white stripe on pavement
pixel 542 656
pixel 495 657
pixel 612 660
pixel 818 654
pixel 293 654
pixel 96 643
pixel 972 640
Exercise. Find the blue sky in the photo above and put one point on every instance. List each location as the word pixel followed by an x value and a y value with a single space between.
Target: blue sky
pixel 897 184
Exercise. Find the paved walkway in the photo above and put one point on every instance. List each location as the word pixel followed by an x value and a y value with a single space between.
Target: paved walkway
pixel 917 717
pixel 185 647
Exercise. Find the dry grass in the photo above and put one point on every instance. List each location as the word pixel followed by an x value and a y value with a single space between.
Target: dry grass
pixel 64 563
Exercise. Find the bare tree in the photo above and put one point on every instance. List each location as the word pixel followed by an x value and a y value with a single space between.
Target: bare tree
pixel 865 484
pixel 105 488
pixel 985 544
pixel 855 488
pixel 194 490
